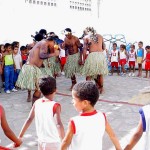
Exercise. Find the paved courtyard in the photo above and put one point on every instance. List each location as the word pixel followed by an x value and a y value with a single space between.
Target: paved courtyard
pixel 121 102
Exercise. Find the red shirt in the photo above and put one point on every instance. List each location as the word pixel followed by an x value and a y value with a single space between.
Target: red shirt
pixel 24 57
pixel 148 57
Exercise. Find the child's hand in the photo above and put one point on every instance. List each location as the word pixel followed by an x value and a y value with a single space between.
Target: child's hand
pixel 19 142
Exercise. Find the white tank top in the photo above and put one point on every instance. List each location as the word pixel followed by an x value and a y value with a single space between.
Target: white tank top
pixel 89 131
pixel 131 56
pixel 44 120
pixel 123 55
pixel 146 110
pixel 114 56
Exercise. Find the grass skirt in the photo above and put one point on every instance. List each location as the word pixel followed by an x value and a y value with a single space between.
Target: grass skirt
pixel 94 65
pixel 46 70
pixel 28 77
pixel 72 66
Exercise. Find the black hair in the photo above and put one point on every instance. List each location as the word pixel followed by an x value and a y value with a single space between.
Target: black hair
pixel 47 85
pixel 50 38
pixel 43 32
pixel 123 46
pixel 133 46
pixel 115 44
pixel 147 47
pixel 68 30
pixel 1 47
pixel 22 48
pixel 87 90
pixel 38 37
pixel 14 47
pixel 141 42
pixel 7 45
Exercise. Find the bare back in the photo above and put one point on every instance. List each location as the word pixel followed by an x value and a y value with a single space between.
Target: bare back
pixel 34 56
pixel 95 47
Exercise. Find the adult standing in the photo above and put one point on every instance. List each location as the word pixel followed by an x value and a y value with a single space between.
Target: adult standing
pixel 73 49
pixel 95 65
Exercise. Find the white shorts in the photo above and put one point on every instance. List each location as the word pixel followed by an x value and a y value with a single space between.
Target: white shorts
pixel 48 146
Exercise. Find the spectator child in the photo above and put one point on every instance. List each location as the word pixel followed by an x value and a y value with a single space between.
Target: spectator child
pixel 123 58
pixel 85 132
pixel 48 123
pixel 147 60
pixel 24 55
pixel 8 64
pixel 132 58
pixel 18 63
pixel 114 57
pixel 140 57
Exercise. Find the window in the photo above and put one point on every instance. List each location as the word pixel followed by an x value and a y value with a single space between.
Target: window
pixel 41 2
pixel 48 3
pixel 51 4
pixel 38 2
pixel 34 1
pixel 45 3
pixel 55 4
pixel 30 1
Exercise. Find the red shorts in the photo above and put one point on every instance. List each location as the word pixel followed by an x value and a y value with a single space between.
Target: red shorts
pixel 63 60
pixel 114 64
pixel 122 62
pixel 131 63
pixel 147 66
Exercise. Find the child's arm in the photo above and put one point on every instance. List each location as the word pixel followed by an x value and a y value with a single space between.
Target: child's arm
pixel 27 122
pixel 8 132
pixel 112 136
pixel 136 137
pixel 67 139
pixel 60 126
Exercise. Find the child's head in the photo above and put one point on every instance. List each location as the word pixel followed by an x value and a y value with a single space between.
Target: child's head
pixel 147 48
pixel 114 46
pixel 140 44
pixel 132 47
pixel 15 43
pixel 122 47
pixel 15 49
pixel 2 49
pixel 23 50
pixel 85 94
pixel 47 85
pixel 8 47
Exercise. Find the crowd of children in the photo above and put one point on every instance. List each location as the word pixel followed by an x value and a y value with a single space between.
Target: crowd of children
pixel 132 57
pixel 11 60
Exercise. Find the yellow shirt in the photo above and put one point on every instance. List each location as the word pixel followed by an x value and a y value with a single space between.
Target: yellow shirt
pixel 8 60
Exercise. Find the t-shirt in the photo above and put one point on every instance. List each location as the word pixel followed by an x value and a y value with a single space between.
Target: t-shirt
pixel 17 60
pixel 88 129
pixel 44 120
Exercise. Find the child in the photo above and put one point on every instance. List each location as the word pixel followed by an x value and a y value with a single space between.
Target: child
pixel 85 132
pixel 131 58
pixel 140 56
pixel 147 60
pixel 24 55
pixel 123 58
pixel 114 58
pixel 1 71
pixel 18 63
pixel 62 60
pixel 48 123
pixel 8 64
pixel 8 132
pixel 143 127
